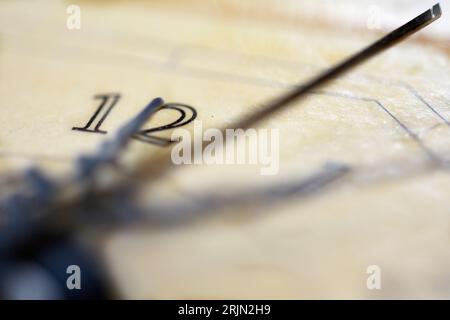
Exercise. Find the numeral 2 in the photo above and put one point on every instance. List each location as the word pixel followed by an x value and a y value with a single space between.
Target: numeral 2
pixel 183 119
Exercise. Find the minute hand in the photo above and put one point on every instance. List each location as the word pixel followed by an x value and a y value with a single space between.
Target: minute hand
pixel 379 46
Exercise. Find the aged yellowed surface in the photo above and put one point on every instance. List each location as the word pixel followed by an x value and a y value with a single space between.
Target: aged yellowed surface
pixel 387 122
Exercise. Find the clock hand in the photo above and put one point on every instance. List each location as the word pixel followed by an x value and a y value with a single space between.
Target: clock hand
pixel 379 46
pixel 29 211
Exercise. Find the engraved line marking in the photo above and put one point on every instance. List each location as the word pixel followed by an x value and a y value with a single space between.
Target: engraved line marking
pixel 431 155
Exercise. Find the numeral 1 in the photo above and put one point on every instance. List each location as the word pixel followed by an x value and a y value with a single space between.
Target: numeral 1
pixel 108 101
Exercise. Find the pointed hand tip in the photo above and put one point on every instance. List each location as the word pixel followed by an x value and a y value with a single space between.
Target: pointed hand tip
pixel 157 101
pixel 436 10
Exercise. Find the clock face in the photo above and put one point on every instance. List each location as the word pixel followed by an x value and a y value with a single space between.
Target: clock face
pixel 298 205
